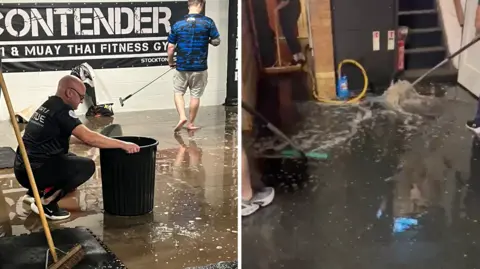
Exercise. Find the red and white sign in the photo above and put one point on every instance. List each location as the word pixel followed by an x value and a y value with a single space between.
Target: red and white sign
pixel 376 40
pixel 391 40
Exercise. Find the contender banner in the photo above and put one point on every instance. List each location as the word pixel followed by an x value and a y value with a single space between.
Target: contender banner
pixel 59 36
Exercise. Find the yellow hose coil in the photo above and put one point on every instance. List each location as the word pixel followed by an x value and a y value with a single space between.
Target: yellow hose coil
pixel 354 100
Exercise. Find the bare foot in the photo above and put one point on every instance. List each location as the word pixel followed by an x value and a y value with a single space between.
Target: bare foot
pixel 192 127
pixel 180 125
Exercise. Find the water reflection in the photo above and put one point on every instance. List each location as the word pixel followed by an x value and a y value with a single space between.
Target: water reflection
pixel 5 225
pixel 194 218
pixel 188 161
pixel 472 193
pixel 397 190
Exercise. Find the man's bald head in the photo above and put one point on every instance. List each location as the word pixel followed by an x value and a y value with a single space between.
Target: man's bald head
pixel 70 81
pixel 72 90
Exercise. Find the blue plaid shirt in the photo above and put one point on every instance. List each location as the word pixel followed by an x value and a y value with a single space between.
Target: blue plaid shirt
pixel 192 36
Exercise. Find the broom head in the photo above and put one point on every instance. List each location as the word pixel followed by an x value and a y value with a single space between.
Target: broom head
pixel 70 260
pixel 282 69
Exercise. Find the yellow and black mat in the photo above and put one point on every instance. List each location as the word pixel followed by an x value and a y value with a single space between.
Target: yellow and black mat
pixel 29 250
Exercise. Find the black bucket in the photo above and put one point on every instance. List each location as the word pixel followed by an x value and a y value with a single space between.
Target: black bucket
pixel 128 180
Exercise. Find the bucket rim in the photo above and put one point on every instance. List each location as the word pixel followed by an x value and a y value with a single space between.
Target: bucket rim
pixel 137 136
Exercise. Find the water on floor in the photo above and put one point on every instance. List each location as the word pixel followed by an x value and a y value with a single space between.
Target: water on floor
pixel 399 190
pixel 194 221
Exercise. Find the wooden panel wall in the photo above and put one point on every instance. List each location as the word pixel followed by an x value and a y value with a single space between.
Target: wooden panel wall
pixel 250 69
pixel 322 38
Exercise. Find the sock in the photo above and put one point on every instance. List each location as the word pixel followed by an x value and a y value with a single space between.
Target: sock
pixel 51 196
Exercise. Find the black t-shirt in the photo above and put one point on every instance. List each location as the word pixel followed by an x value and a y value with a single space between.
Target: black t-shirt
pixel 48 132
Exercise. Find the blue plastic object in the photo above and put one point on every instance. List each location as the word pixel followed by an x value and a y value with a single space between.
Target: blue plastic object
pixel 404 224
pixel 342 88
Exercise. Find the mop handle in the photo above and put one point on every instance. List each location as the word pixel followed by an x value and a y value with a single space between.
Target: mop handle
pixel 277 37
pixel 430 71
pixel 272 127
pixel 171 68
pixel 250 110
pixel 468 45
pixel 23 151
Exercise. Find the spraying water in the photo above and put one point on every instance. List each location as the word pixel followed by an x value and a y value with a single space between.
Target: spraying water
pixel 328 126
pixel 401 97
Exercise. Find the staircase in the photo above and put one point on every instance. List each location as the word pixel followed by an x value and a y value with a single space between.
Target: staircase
pixel 425 46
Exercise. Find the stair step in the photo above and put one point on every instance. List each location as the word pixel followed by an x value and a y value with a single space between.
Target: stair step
pixel 420 58
pixel 424 50
pixel 417 12
pixel 424 30
pixel 445 74
pixel 424 37
pixel 407 5
pixel 420 20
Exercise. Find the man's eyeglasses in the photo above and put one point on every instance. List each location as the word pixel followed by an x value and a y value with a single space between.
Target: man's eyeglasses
pixel 82 96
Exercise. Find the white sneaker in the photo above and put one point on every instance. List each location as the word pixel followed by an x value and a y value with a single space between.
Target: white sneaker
pixel 261 198
pixel 52 211
pixel 248 208
pixel 264 197
pixel 473 127
pixel 28 199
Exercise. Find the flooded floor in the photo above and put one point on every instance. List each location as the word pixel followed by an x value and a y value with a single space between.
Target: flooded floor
pixel 194 221
pixel 398 191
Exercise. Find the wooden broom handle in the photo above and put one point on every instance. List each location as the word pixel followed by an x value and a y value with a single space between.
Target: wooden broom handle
pixel 23 151
pixel 277 36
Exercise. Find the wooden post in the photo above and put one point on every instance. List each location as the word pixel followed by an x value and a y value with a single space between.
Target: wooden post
pixel 250 69
pixel 322 38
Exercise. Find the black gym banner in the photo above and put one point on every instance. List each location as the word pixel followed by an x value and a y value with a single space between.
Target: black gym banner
pixel 59 36
pixel 232 65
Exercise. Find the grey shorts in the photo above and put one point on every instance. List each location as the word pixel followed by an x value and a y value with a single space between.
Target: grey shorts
pixel 196 81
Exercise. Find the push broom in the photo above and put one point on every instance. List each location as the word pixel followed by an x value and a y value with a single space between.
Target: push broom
pixel 296 151
pixel 76 254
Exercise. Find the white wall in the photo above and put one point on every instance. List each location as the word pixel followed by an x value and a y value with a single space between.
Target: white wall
pixel 453 31
pixel 34 87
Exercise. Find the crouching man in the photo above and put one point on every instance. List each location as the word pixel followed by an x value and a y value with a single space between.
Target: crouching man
pixel 47 138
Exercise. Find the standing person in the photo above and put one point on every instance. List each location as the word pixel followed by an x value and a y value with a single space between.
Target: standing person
pixel 47 140
pixel 289 12
pixel 474 125
pixel 190 38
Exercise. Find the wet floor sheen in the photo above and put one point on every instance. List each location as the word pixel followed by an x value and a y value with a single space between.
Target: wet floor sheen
pixel 397 192
pixel 194 221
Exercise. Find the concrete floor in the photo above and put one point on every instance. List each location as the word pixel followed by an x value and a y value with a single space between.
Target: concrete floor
pixel 398 191
pixel 194 221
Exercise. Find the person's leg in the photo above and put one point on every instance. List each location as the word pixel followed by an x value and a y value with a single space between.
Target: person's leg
pixel 198 82
pixel 180 84
pixel 70 172
pixel 247 191
pixel 288 20
pixel 252 201
pixel 248 207
pixel 22 178
pixel 474 125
